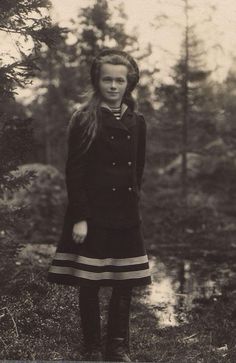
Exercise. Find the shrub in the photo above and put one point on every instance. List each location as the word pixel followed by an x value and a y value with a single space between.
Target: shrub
pixel 43 202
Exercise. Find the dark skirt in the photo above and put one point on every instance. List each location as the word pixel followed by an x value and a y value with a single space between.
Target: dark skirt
pixel 107 257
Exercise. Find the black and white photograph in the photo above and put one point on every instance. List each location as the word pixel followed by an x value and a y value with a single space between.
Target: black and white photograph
pixel 118 181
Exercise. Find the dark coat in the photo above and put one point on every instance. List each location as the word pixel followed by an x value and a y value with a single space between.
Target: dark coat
pixel 103 184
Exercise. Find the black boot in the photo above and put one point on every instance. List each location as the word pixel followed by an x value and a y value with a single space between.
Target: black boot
pixel 90 323
pixel 117 348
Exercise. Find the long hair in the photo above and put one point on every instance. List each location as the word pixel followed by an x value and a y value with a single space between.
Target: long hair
pixel 88 113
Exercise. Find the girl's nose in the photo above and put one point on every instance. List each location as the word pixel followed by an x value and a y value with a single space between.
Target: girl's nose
pixel 113 85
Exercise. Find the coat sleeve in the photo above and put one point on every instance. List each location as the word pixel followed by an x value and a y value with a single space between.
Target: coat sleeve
pixel 141 150
pixel 75 174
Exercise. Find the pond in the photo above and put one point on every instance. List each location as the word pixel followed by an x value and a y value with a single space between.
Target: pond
pixel 181 284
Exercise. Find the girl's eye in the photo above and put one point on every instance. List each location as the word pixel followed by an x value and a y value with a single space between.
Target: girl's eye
pixel 120 80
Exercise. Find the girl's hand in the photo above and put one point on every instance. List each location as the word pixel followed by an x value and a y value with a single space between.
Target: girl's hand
pixel 80 230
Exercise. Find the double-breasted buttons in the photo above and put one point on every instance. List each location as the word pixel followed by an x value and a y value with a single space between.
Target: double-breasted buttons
pixel 114 163
pixel 109 198
pixel 112 137
pixel 129 189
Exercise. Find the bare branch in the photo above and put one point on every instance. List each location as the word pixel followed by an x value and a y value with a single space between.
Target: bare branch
pixel 9 30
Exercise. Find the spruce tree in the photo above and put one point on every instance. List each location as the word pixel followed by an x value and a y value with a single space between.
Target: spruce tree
pixel 30 27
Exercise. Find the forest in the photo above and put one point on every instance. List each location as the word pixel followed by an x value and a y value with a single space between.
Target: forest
pixel 188 198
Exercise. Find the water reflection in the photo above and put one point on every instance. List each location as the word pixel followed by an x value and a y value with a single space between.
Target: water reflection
pixel 179 285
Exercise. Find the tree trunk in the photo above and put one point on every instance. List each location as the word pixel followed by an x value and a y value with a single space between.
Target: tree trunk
pixel 185 107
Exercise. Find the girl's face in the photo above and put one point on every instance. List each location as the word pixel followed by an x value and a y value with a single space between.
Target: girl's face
pixel 113 83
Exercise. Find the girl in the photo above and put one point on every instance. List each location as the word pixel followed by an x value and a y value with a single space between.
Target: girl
pixel 102 241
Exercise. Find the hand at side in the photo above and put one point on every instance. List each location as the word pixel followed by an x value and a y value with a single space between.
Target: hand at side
pixel 80 230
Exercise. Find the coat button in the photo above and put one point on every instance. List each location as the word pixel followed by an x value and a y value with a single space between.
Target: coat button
pixel 112 137
pixel 128 136
pixel 129 163
pixel 113 163
pixel 113 189
pixel 130 188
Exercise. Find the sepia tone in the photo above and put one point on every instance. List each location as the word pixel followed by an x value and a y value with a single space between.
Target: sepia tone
pixel 185 50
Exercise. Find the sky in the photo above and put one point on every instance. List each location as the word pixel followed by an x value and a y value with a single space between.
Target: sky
pixel 165 41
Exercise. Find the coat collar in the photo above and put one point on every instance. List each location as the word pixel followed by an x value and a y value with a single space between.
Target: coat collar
pixel 107 118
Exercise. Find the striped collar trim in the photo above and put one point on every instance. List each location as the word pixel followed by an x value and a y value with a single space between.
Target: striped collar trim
pixel 122 109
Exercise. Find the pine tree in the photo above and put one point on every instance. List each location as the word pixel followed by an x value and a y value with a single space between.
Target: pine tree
pixel 184 123
pixel 26 19
pixel 187 104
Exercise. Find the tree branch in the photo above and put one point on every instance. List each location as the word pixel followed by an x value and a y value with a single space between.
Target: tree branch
pixel 8 30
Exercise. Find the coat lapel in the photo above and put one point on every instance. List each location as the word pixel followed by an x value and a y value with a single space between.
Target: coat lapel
pixel 108 119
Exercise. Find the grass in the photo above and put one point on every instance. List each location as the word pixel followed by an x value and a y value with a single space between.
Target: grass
pixel 40 321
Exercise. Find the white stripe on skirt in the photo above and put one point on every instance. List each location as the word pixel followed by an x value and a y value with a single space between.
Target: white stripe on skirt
pixel 101 261
pixel 99 275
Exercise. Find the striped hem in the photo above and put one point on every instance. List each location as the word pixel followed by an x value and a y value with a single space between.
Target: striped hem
pixel 99 275
pixel 93 269
pixel 101 261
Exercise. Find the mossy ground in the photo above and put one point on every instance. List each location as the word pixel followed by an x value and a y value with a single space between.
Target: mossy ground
pixel 40 321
